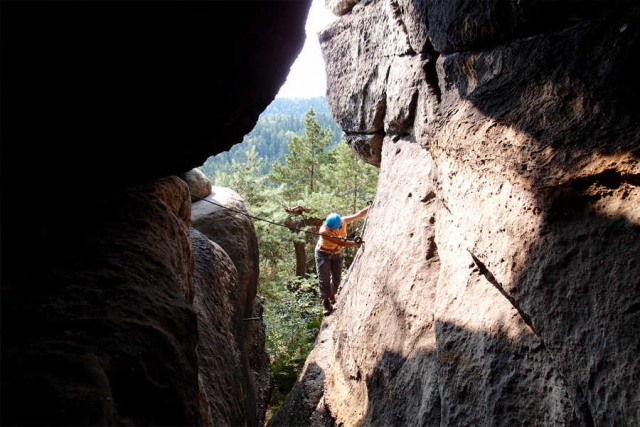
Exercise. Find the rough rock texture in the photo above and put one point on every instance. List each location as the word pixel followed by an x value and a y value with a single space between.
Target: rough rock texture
pixel 101 102
pixel 500 281
pixel 230 391
pixel 155 275
pixel 505 293
pixel 222 218
pixel 199 185
pixel 340 7
pixel 88 344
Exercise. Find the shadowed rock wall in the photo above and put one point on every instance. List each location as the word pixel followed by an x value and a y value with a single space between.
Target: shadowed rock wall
pixel 500 281
pixel 114 310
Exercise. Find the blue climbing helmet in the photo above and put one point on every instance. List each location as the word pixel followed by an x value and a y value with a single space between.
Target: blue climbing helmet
pixel 333 221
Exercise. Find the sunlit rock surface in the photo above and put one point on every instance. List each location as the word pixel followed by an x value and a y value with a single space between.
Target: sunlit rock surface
pixel 500 281
pixel 199 185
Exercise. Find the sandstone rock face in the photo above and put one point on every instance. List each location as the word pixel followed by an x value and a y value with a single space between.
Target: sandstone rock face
pixel 88 353
pixel 223 219
pixel 199 184
pixel 340 7
pixel 104 103
pixel 221 355
pixel 510 297
pixel 150 332
pixel 500 282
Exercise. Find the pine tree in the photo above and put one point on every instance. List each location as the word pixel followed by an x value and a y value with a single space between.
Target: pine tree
pixel 301 173
pixel 353 181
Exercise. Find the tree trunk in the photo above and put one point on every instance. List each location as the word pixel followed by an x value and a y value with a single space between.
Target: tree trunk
pixel 301 259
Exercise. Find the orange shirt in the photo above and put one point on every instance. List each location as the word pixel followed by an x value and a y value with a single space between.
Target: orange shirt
pixel 324 245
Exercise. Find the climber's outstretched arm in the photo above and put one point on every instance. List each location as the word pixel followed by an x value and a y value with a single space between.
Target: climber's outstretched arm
pixel 356 216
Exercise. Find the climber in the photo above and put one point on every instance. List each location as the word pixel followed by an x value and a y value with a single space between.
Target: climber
pixel 329 254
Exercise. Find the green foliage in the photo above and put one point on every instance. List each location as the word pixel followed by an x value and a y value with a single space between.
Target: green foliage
pixel 277 259
pixel 293 316
pixel 243 177
pixel 302 171
pixel 313 170
pixel 352 181
pixel 276 125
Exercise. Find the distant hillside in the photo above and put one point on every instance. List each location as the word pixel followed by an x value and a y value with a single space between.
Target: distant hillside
pixel 283 118
pixel 297 106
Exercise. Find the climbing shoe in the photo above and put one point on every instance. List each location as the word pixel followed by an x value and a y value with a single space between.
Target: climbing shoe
pixel 332 299
pixel 328 308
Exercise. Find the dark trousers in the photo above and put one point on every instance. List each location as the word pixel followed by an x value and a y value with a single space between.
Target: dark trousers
pixel 329 268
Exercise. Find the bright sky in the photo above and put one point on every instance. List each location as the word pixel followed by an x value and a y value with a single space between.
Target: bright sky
pixel 307 77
